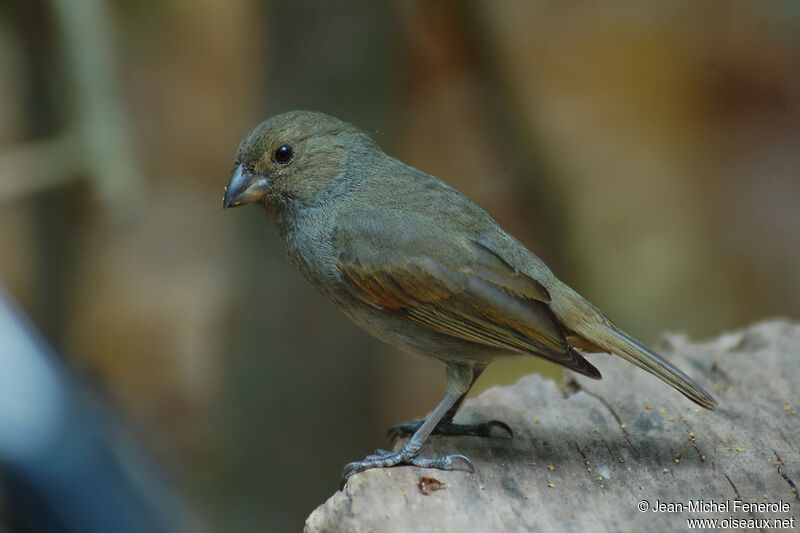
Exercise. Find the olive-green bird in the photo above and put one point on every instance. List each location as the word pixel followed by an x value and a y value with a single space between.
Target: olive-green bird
pixel 420 266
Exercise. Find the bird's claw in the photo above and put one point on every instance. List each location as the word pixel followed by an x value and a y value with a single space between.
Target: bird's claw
pixel 384 459
pixel 483 429
pixel 499 424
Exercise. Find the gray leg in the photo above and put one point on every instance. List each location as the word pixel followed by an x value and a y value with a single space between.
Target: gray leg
pixel 459 380
pixel 446 425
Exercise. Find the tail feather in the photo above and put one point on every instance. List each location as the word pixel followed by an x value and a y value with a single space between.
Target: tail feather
pixel 615 341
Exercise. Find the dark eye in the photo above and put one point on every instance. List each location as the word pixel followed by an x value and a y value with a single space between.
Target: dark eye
pixel 283 154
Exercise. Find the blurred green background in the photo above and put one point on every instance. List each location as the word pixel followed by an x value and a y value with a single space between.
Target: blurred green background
pixel 649 152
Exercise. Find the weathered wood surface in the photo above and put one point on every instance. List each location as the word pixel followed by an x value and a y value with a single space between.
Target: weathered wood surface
pixel 583 458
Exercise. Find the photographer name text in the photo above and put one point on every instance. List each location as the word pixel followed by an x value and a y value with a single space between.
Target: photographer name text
pixel 725 506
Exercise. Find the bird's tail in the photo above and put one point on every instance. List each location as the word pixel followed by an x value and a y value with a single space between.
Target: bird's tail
pixel 609 338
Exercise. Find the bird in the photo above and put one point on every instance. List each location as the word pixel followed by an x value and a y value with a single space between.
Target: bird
pixel 420 266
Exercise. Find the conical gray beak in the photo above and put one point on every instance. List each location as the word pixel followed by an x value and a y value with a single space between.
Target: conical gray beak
pixel 244 188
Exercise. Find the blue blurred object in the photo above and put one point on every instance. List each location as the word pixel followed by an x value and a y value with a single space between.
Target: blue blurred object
pixel 66 462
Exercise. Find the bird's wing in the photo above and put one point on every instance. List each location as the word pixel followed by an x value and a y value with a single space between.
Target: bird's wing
pixel 456 286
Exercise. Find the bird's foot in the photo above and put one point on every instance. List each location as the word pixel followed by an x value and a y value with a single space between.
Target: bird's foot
pixel 406 456
pixel 483 429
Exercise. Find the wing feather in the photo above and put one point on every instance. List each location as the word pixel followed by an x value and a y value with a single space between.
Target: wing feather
pixel 481 300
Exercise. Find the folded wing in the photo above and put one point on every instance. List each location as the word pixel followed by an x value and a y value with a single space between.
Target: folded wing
pixel 452 285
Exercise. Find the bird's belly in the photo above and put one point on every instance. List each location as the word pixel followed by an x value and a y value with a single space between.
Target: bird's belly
pixel 415 339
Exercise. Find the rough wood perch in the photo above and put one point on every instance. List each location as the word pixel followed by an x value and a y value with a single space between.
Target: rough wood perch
pixel 583 458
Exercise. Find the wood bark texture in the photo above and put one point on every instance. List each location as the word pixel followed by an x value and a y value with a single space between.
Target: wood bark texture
pixel 584 456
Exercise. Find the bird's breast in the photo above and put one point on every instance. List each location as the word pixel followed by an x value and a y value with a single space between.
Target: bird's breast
pixel 309 247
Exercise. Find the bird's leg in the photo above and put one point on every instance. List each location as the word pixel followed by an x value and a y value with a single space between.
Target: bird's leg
pixel 459 378
pixel 446 426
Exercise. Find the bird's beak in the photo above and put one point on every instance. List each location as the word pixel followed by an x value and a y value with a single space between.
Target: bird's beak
pixel 244 188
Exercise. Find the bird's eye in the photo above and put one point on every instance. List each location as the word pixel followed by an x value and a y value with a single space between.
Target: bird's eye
pixel 283 154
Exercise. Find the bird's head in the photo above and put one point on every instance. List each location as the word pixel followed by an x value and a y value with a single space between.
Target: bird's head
pixel 298 157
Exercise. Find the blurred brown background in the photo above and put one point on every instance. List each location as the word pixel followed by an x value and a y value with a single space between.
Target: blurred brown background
pixel 649 152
